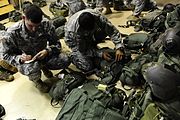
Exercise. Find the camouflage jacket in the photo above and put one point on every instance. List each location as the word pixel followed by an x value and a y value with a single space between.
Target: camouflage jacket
pixel 80 40
pixel 19 40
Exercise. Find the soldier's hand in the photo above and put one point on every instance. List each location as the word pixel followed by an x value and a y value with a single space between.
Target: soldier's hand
pixel 119 55
pixel 41 55
pixel 25 57
pixel 106 56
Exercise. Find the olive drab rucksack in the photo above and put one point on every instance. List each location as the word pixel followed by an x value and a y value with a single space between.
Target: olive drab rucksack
pixel 131 72
pixel 173 17
pixel 15 16
pixel 58 21
pixel 153 21
pixel 58 8
pixel 67 82
pixel 138 42
pixel 93 101
pixel 39 3
pixel 111 70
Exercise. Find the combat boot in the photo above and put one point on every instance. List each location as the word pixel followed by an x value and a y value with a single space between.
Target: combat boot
pixel 6 76
pixel 8 67
pixel 42 86
pixel 2 111
pixel 47 72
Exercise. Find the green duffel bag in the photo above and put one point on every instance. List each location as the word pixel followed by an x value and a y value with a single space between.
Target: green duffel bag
pixel 80 106
pixel 136 41
pixel 58 21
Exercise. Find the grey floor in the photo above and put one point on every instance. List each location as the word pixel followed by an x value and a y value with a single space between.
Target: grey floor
pixel 20 97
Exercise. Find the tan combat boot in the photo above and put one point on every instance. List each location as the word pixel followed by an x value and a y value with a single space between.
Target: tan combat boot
pixel 7 66
pixel 6 76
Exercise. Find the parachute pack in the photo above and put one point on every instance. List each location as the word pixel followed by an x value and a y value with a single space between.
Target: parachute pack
pixel 94 101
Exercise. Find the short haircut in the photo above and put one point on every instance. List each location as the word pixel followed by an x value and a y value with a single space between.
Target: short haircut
pixel 86 21
pixel 33 13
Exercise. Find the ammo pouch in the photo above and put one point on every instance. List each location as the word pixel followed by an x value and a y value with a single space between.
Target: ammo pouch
pixel 137 41
pixel 58 10
pixel 131 72
pixel 58 21
pixel 15 16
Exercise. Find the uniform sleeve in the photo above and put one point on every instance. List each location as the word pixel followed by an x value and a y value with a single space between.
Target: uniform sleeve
pixel 53 45
pixel 112 32
pixel 9 50
pixel 71 39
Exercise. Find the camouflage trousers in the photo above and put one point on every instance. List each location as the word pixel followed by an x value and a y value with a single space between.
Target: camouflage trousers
pixel 83 61
pixel 33 69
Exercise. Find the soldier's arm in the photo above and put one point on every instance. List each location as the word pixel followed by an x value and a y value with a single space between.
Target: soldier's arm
pixel 54 45
pixel 10 51
pixel 112 32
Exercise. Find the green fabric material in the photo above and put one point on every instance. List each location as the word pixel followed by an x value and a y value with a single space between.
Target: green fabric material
pixel 80 106
pixel 151 112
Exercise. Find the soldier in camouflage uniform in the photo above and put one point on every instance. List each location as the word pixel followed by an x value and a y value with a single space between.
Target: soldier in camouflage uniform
pixel 140 5
pixel 83 31
pixel 34 39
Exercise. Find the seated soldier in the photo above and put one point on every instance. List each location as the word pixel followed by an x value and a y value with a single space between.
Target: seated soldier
pixel 83 31
pixel 32 45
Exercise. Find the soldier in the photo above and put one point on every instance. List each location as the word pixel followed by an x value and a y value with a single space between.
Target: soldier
pixel 83 31
pixel 32 45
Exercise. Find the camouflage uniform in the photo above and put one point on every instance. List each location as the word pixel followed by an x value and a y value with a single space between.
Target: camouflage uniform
pixel 139 5
pixel 74 5
pixel 84 43
pixel 20 41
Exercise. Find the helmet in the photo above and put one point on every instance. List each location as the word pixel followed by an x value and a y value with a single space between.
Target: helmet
pixel 162 81
pixel 171 41
pixel 169 7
